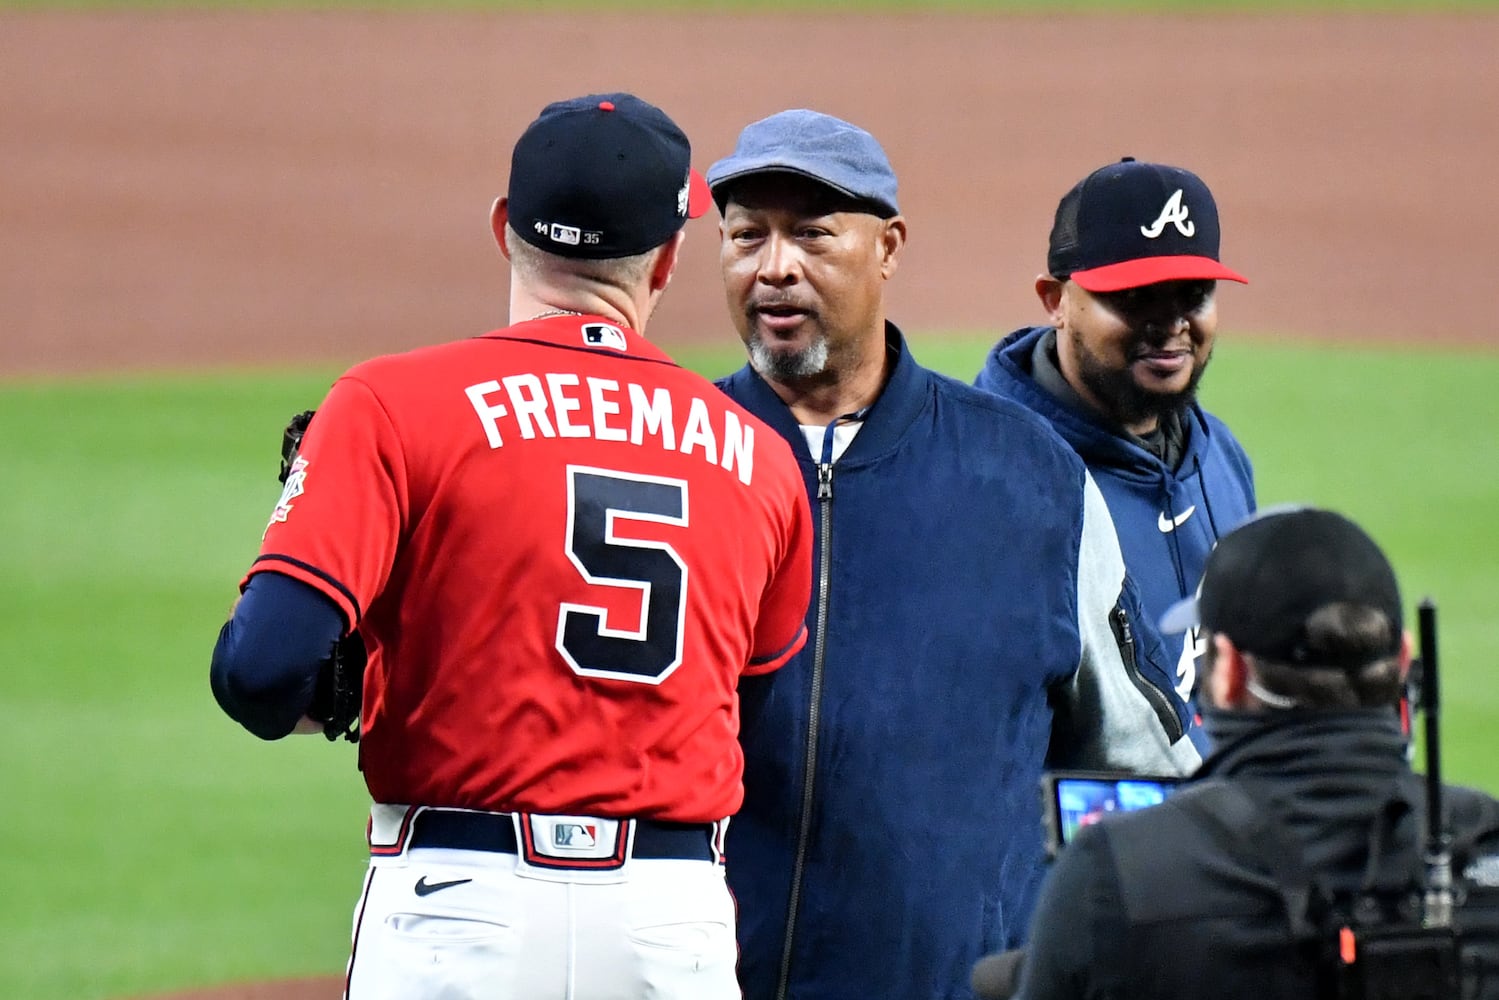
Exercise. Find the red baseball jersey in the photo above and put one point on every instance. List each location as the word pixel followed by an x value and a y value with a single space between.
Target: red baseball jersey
pixel 563 550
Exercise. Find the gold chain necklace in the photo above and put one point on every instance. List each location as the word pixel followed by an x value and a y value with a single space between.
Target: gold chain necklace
pixel 554 312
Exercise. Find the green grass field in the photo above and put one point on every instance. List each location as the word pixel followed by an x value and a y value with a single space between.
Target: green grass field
pixel 165 847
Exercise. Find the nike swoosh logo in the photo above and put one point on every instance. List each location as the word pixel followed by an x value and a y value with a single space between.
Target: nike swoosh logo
pixel 425 888
pixel 1169 524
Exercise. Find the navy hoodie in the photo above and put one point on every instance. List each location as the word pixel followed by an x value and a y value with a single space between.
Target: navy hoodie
pixel 971 624
pixel 1168 519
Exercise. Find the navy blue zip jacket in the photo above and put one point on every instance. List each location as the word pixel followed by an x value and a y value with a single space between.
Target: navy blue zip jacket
pixel 970 611
pixel 1168 519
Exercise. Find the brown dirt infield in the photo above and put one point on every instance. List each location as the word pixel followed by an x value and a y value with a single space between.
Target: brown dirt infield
pixel 326 988
pixel 186 189
pixel 189 189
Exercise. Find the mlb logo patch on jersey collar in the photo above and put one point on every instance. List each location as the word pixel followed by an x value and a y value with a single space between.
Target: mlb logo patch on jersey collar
pixel 600 335
pixel 604 335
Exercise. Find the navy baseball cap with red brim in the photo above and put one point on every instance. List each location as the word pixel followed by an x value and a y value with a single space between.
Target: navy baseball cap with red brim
pixel 1131 224
pixel 1151 270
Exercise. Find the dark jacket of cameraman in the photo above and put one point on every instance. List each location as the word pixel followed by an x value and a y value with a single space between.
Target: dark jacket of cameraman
pixel 1168 903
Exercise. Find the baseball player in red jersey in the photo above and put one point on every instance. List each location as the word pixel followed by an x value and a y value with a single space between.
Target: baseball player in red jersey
pixel 562 551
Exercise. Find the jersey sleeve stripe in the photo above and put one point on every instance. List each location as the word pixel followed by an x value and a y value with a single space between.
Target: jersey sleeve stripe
pixel 312 576
pixel 770 661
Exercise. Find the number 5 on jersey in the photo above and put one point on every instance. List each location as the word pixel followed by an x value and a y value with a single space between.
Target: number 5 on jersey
pixel 596 499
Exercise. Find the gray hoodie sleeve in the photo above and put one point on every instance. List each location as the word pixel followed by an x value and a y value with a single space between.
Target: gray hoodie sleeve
pixel 1105 716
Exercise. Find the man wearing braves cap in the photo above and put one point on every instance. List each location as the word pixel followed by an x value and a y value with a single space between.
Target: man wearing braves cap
pixel 562 551
pixel 1131 293
pixel 970 622
pixel 1271 874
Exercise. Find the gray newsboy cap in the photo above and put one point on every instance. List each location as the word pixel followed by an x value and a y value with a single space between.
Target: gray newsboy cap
pixel 828 150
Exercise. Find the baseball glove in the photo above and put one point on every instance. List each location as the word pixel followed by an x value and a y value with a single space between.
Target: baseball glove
pixel 291 441
pixel 339 689
pixel 340 682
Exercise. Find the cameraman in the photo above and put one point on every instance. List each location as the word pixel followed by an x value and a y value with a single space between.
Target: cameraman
pixel 1306 819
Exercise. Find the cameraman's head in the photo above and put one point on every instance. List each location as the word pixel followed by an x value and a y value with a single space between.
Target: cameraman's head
pixel 1301 611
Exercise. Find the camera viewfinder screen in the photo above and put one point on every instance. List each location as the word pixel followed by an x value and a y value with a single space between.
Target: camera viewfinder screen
pixel 1084 801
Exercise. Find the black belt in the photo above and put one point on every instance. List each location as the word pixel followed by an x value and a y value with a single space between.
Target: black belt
pixel 495 832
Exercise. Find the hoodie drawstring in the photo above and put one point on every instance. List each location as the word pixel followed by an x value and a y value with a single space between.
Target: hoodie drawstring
pixel 1172 545
pixel 1207 504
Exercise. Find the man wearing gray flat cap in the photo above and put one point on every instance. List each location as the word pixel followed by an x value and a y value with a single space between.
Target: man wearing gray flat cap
pixel 971 624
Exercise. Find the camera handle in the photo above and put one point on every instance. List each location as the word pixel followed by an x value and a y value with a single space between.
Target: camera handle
pixel 1437 903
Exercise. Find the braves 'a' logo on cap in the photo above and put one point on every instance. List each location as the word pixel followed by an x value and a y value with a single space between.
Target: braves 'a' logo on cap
pixel 1174 214
pixel 604 335
pixel 682 196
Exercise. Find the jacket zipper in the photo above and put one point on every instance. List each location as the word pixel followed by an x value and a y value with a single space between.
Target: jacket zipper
pixel 809 770
pixel 1125 637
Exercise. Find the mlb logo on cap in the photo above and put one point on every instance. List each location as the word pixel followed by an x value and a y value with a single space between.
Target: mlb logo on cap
pixel 1131 223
